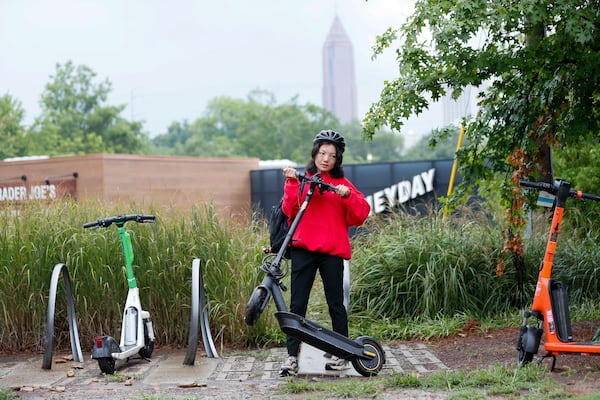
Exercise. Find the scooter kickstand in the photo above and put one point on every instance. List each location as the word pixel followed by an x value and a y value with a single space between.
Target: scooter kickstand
pixel 548 355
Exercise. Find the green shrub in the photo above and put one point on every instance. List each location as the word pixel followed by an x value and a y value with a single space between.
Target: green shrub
pixel 411 267
pixel 423 267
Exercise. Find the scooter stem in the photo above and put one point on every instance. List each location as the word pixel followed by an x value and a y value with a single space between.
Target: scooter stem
pixel 288 238
pixel 128 252
pixel 562 194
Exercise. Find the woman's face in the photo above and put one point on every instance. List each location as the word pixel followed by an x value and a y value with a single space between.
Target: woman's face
pixel 326 157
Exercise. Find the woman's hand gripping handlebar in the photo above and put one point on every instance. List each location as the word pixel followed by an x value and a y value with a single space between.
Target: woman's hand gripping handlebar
pixel 317 181
pixel 106 222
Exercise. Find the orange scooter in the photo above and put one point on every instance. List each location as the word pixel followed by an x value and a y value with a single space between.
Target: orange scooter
pixel 550 302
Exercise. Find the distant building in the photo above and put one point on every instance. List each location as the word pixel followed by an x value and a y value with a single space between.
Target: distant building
pixel 268 164
pixel 152 181
pixel 339 81
pixel 456 110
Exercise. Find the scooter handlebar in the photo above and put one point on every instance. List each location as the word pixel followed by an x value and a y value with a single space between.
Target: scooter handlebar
pixel 106 222
pixel 317 181
pixel 553 188
pixel 538 185
pixel 587 196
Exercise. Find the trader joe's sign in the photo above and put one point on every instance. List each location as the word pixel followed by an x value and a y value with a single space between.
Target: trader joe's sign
pixel 16 193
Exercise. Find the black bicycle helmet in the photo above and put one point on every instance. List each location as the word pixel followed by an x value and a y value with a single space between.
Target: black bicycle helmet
pixel 333 137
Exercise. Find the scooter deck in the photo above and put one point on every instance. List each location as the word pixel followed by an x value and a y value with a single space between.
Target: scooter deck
pixel 319 337
pixel 573 347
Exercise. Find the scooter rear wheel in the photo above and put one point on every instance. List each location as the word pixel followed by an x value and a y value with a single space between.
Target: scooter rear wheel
pixel 253 308
pixel 369 367
pixel 107 365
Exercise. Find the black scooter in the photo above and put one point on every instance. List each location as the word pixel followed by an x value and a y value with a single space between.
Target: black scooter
pixel 365 353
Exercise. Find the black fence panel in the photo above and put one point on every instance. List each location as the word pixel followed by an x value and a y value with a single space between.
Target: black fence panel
pixel 413 186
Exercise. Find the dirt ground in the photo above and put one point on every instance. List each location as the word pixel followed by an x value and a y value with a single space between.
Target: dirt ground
pixel 472 349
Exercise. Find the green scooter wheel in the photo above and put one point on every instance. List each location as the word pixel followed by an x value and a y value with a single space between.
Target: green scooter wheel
pixel 107 365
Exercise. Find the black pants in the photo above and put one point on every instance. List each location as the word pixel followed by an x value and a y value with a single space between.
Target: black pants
pixel 304 269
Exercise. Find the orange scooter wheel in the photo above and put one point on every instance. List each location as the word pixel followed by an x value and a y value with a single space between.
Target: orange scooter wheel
pixel 523 357
pixel 528 344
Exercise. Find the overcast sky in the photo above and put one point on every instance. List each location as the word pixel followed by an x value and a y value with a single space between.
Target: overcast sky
pixel 167 59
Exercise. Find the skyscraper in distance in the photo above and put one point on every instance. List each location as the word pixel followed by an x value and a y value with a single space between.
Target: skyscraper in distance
pixel 339 81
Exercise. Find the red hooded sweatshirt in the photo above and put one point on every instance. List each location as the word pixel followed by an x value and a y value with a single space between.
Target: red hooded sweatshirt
pixel 324 225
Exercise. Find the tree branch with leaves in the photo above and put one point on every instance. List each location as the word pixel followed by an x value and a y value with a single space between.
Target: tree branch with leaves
pixel 535 64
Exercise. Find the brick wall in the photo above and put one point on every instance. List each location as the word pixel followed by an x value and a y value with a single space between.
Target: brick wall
pixel 156 180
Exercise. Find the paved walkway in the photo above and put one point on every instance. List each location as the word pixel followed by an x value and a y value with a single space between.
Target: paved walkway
pixel 166 370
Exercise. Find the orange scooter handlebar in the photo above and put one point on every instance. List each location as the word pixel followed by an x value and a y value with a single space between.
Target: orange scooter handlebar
pixel 553 189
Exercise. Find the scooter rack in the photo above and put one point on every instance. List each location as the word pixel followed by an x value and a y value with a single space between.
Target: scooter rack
pixel 73 331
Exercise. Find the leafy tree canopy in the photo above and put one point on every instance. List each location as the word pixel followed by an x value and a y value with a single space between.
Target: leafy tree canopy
pixel 535 63
pixel 11 127
pixel 76 120
pixel 438 145
pixel 259 127
pixel 578 164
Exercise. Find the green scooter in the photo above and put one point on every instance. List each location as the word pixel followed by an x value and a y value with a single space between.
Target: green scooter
pixel 137 335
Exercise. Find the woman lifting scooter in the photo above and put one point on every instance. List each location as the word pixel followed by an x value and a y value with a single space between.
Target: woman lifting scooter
pixel 550 303
pixel 320 243
pixel 366 355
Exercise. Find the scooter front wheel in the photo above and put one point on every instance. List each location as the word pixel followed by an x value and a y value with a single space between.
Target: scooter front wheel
pixel 107 365
pixel 253 309
pixel 528 344
pixel 146 351
pixel 369 367
pixel 523 357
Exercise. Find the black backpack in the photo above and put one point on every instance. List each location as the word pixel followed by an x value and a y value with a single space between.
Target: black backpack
pixel 278 228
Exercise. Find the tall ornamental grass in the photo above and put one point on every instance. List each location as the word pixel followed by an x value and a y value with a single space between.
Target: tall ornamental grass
pixel 407 272
pixel 411 267
pixel 34 238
